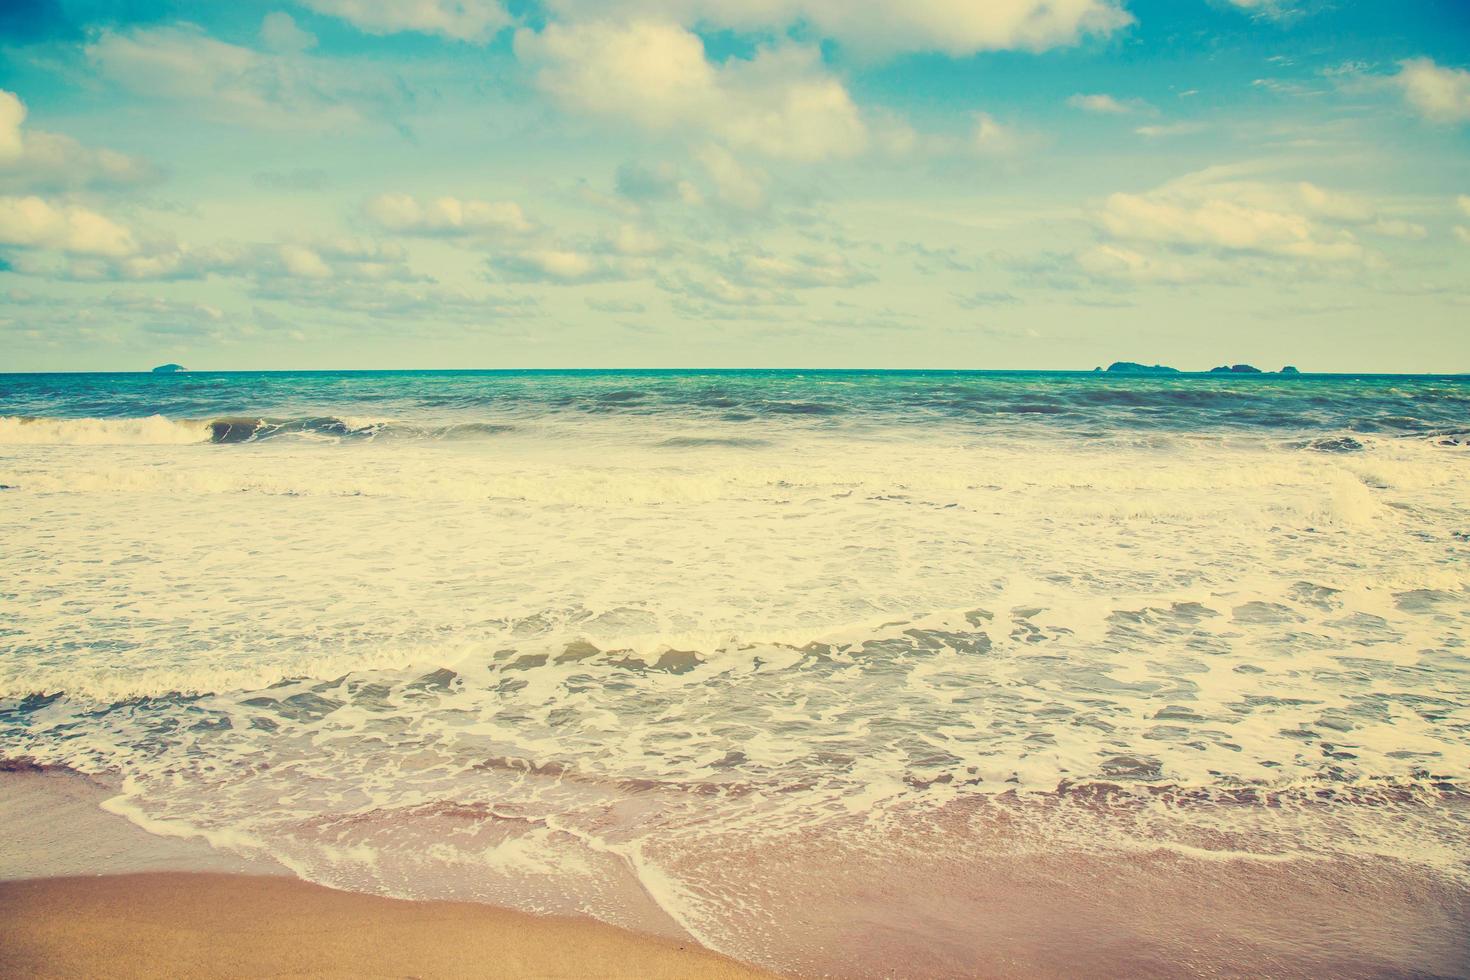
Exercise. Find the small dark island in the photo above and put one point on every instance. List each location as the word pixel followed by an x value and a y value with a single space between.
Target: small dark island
pixel 170 369
pixel 1131 367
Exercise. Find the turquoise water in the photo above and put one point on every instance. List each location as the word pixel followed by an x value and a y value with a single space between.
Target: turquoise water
pixel 725 654
pixel 1061 401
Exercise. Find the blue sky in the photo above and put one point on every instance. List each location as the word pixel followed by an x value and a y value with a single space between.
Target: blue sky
pixel 937 183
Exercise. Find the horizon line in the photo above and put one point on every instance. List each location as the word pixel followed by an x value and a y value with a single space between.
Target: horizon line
pixel 1168 372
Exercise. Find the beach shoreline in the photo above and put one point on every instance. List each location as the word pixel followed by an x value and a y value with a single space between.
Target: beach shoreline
pixel 209 924
pixel 86 893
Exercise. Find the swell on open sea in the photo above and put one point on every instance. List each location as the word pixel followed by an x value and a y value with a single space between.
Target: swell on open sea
pixel 910 673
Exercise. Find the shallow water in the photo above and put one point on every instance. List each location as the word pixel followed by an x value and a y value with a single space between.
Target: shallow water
pixel 763 657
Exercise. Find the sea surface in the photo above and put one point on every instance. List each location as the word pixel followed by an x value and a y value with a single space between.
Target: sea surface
pixel 831 671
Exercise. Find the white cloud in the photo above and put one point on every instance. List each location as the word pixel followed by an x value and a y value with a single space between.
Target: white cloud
pixel 339 259
pixel 1104 104
pixel 462 20
pixel 956 27
pixel 301 262
pixel 781 102
pixel 806 271
pixel 717 288
pixel 736 184
pixel 633 240
pixel 12 114
pixel 1120 263
pixel 994 139
pixel 228 82
pixel 446 216
pixel 168 261
pixel 1169 129
pixel 1398 228
pixel 1223 224
pixel 318 261
pixel 1463 234
pixel 278 31
pixel 1270 9
pixel 1463 203
pixel 1438 94
pixel 1189 226
pixel 32 222
pixel 565 265
pixel 34 160
pixel 1332 205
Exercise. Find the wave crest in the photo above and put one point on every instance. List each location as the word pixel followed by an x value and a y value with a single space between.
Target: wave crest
pixel 153 430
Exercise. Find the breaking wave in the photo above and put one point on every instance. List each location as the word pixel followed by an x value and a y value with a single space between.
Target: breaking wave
pixel 156 430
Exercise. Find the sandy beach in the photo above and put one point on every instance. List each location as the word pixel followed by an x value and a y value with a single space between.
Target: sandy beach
pixel 92 895
pixel 183 924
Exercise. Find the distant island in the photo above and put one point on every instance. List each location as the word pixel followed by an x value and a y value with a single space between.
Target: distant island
pixel 1133 367
pixel 169 369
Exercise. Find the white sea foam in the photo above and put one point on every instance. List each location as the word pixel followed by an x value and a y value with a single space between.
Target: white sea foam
pixel 535 669
pixel 154 430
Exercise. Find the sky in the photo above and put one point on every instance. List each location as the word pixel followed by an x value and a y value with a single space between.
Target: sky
pixel 988 184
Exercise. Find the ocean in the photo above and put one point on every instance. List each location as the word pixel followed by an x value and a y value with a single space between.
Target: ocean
pixel 803 665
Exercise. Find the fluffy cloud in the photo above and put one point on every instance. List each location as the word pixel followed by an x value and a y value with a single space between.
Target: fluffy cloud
pixel 567 266
pixel 1223 224
pixel 717 288
pixel 338 260
pixel 31 160
pixel 1169 129
pixel 805 271
pixel 12 114
pixel 279 32
pixel 632 240
pixel 956 27
pixel 106 252
pixel 32 222
pixel 736 184
pixel 445 216
pixel 781 102
pixel 1116 262
pixel 994 139
pixel 761 278
pixel 1461 232
pixel 1438 94
pixel 462 20
pixel 180 63
pixel 1221 211
pixel 1103 103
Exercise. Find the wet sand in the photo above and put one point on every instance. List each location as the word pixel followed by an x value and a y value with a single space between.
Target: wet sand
pixel 183 924
pixel 52 825
pixel 975 889
pixel 92 895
